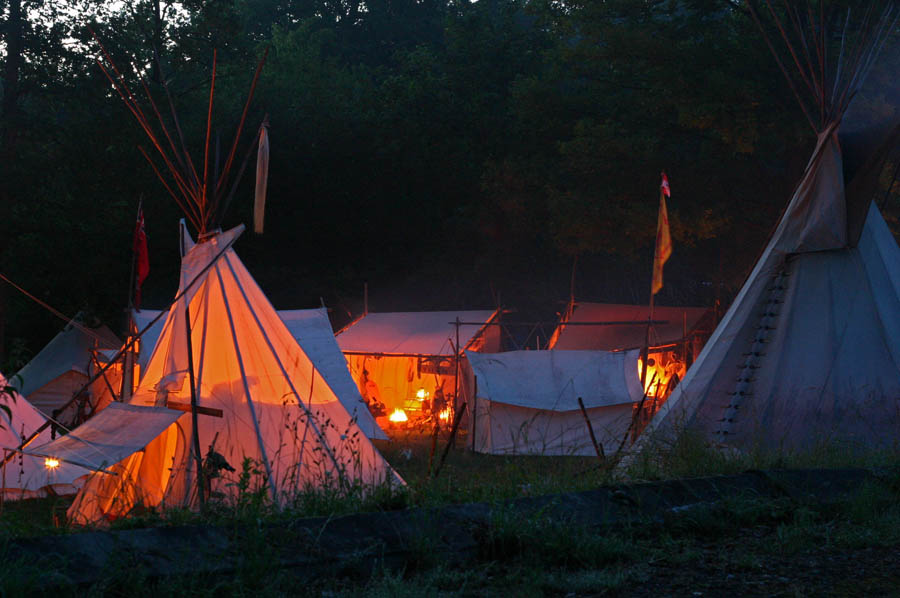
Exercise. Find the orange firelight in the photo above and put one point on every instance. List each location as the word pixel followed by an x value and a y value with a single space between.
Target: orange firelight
pixel 399 415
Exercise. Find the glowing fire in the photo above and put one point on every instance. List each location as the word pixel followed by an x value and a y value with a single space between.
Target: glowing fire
pixel 656 378
pixel 445 414
pixel 51 463
pixel 421 394
pixel 399 415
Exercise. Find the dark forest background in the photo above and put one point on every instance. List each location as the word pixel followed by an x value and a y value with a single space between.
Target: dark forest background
pixel 452 154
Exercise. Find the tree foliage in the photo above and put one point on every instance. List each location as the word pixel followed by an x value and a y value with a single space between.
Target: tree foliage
pixel 444 141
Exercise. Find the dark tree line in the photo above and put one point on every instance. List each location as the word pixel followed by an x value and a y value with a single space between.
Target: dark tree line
pixel 444 151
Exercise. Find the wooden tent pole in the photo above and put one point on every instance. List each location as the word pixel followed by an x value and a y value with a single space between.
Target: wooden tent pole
pixel 195 430
pixel 456 380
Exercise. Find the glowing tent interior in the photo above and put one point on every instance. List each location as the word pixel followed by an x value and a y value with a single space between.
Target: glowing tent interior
pixel 405 363
pixel 807 353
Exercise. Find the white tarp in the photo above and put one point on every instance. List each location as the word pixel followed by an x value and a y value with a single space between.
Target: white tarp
pixel 554 380
pixel 117 432
pixel 527 401
pixel 828 365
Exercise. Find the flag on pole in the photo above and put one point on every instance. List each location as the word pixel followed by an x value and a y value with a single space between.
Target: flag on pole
pixel 663 239
pixel 141 257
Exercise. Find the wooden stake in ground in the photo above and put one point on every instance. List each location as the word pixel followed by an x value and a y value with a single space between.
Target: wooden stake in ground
pixel 458 419
pixel 597 446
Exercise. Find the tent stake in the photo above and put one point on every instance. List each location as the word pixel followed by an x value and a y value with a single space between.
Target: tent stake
pixel 459 415
pixel 597 447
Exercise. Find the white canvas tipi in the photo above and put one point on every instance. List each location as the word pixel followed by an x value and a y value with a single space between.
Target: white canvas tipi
pixel 807 355
pixel 261 402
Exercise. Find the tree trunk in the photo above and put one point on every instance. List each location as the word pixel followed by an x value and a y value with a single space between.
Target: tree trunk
pixel 157 41
pixel 9 134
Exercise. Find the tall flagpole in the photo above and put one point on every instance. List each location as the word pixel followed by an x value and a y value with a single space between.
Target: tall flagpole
pixel 662 250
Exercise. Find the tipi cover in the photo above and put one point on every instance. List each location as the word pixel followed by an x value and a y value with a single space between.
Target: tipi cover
pixel 311 328
pixel 262 402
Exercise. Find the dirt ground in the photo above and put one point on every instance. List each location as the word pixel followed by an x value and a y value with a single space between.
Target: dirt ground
pixel 727 572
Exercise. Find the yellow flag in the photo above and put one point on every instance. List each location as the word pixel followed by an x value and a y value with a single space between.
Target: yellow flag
pixel 663 244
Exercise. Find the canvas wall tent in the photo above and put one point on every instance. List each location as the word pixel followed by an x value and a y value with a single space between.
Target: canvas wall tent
pixel 527 401
pixel 260 398
pixel 27 476
pixel 312 330
pixel 807 353
pixel 63 367
pixel 402 360
pixel 673 323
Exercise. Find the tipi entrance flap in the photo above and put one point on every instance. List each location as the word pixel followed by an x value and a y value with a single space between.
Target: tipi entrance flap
pixel 115 433
pixel 554 380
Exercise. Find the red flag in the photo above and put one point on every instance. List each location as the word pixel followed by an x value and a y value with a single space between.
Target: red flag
pixel 141 256
pixel 664 185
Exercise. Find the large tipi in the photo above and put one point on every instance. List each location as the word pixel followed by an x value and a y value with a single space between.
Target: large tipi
pixel 252 399
pixel 807 354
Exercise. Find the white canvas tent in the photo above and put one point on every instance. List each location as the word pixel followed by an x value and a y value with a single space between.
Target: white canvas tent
pixel 63 367
pixel 312 330
pixel 260 399
pixel 402 361
pixel 27 476
pixel 807 354
pixel 527 401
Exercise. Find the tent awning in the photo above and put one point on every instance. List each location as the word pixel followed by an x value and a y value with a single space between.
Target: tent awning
pixel 117 432
pixel 411 333
pixel 626 336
